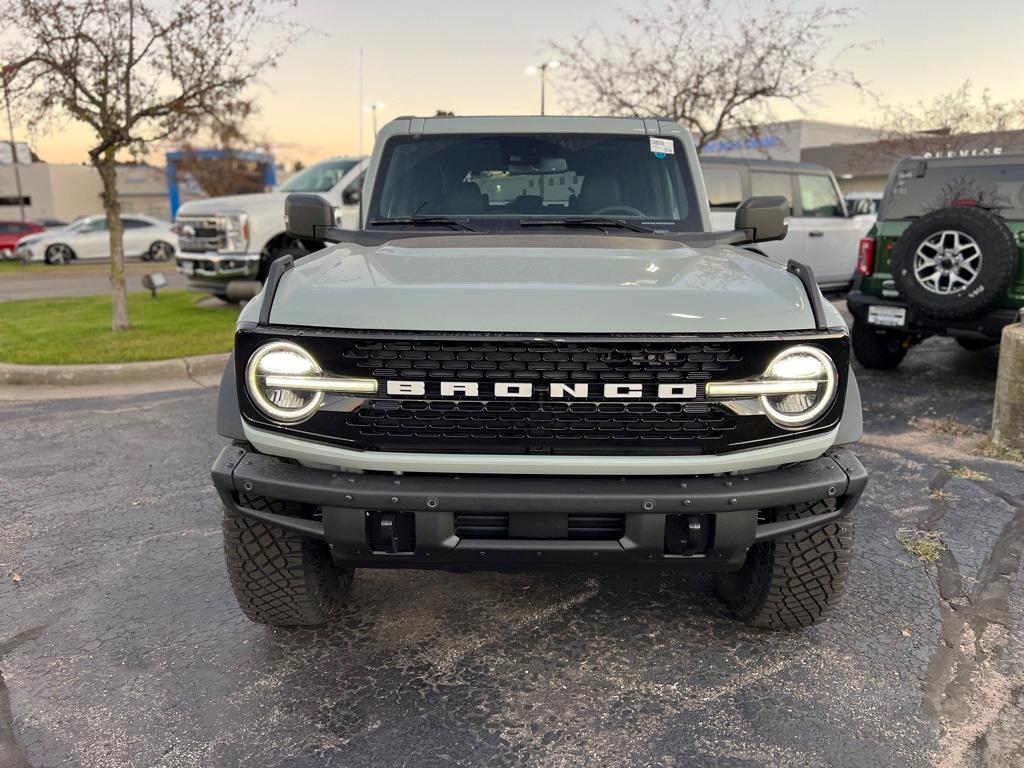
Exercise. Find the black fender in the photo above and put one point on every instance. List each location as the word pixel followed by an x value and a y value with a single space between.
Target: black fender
pixel 229 418
pixel 851 426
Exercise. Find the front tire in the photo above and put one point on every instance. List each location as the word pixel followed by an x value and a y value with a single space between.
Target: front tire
pixel 281 578
pixel 160 251
pixel 877 349
pixel 792 581
pixel 59 253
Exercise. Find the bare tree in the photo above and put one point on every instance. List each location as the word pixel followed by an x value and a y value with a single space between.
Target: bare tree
pixel 137 72
pixel 230 171
pixel 952 123
pixel 707 64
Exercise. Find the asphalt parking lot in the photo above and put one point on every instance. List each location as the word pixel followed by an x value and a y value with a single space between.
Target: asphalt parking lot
pixel 40 281
pixel 121 645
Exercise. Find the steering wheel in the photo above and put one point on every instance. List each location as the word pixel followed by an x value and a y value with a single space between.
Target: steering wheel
pixel 618 210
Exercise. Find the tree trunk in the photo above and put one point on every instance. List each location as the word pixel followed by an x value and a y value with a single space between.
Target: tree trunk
pixel 112 207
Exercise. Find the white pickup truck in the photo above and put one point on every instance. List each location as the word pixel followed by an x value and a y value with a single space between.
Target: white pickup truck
pixel 822 233
pixel 222 239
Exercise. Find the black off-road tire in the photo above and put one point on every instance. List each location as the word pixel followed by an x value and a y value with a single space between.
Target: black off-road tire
pixel 281 578
pixel 875 348
pixel 999 261
pixel 974 344
pixel 792 581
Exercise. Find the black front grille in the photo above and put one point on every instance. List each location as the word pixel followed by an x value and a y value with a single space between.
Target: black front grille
pixel 595 419
pixel 499 421
pixel 581 527
pixel 538 361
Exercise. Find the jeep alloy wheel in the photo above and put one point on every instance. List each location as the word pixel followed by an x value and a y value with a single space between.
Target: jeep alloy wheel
pixel 947 262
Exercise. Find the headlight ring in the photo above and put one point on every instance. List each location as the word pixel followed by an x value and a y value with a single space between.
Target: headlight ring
pixel 798 409
pixel 283 358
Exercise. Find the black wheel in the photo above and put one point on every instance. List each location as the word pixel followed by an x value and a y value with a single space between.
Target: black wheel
pixel 278 577
pixel 974 344
pixel 276 252
pixel 878 348
pixel 58 253
pixel 955 262
pixel 159 251
pixel 793 581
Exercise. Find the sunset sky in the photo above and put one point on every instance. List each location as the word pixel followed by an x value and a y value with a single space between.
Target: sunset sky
pixel 469 56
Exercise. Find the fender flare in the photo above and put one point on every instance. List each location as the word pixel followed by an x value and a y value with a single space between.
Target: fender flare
pixel 851 426
pixel 229 417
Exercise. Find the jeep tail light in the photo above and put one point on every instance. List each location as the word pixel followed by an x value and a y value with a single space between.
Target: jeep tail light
pixel 866 256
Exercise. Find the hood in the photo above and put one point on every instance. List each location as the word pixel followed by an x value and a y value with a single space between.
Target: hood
pixel 213 205
pixel 37 237
pixel 541 284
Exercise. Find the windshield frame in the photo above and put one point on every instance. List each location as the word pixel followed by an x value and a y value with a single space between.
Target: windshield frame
pixel 695 220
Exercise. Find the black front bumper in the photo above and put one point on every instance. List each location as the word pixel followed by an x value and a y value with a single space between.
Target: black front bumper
pixel 346 510
pixel 989 325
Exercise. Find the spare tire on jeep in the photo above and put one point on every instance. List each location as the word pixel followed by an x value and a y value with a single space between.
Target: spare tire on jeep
pixel 955 262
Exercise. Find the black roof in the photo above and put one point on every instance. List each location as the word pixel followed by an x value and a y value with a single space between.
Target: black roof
pixel 1012 158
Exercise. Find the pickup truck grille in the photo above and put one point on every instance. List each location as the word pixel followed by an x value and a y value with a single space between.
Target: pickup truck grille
pixel 484 422
pixel 198 235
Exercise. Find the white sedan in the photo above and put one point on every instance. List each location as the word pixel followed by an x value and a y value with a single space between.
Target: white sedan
pixel 89 238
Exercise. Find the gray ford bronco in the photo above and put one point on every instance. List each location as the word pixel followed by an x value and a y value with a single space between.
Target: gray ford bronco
pixel 534 353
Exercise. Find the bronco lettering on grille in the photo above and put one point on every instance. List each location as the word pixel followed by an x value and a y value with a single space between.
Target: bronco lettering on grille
pixel 554 390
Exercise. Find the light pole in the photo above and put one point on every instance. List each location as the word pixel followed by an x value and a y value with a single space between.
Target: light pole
pixel 372 109
pixel 542 70
pixel 14 153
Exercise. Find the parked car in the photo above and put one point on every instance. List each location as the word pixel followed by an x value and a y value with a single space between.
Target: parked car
pixel 821 233
pixel 89 238
pixel 11 232
pixel 863 203
pixel 946 257
pixel 509 374
pixel 222 239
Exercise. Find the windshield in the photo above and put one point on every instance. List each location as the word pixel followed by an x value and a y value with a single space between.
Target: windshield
pixel 318 178
pixel 501 181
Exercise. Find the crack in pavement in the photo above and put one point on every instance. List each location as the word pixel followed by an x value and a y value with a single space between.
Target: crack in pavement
pixel 964 690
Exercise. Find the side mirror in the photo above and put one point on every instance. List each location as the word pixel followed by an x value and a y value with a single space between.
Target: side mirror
pixel 307 218
pixel 764 218
pixel 351 197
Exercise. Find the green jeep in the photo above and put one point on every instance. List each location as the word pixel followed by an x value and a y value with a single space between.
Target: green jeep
pixel 945 258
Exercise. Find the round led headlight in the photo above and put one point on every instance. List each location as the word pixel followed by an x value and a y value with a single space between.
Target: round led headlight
pixel 805 368
pixel 281 360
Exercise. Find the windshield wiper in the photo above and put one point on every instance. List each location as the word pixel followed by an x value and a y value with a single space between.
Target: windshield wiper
pixel 586 221
pixel 419 220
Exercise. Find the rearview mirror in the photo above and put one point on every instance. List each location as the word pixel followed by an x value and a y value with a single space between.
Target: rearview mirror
pixel 307 218
pixel 764 218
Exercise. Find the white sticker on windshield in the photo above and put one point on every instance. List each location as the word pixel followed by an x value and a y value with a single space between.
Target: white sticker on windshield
pixel 662 147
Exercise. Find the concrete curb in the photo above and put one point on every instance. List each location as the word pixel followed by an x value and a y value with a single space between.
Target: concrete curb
pixel 181 369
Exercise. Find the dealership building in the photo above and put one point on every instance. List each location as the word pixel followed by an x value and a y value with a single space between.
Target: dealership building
pixel 856 155
pixel 66 191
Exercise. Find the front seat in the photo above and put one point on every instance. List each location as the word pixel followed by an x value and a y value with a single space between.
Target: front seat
pixel 599 191
pixel 464 198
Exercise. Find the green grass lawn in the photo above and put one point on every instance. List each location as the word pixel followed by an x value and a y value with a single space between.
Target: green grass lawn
pixel 77 330
pixel 14 265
